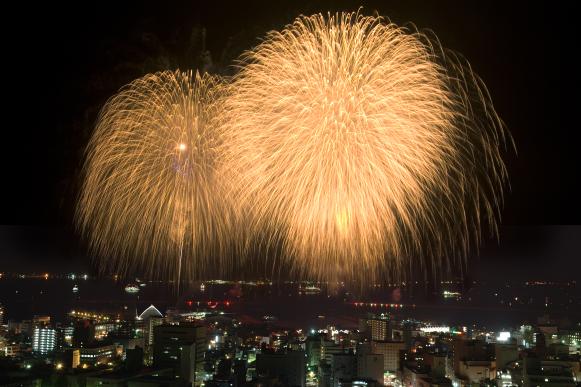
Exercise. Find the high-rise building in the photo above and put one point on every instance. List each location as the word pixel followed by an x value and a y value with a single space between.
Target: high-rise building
pixel 64 336
pixel 151 324
pixel 43 340
pixel 380 329
pixel 181 347
pixel 391 351
pixel 146 323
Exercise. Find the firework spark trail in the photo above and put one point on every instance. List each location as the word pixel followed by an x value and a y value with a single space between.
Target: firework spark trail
pixel 150 191
pixel 358 146
pixel 361 146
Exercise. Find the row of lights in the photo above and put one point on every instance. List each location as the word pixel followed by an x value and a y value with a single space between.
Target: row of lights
pixel 375 304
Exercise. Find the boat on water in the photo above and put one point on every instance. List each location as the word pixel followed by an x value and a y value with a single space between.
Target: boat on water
pixel 311 289
pixel 131 288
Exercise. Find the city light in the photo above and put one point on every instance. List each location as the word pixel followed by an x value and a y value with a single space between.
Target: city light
pixel 503 336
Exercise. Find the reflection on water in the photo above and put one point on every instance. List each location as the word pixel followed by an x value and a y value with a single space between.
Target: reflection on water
pixel 293 305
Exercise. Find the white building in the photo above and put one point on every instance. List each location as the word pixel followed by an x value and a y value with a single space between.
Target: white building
pixel 43 340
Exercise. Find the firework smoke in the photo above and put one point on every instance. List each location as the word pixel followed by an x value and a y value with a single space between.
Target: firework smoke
pixel 150 197
pixel 361 147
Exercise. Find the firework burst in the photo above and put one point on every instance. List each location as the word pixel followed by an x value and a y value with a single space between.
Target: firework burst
pixel 361 147
pixel 150 197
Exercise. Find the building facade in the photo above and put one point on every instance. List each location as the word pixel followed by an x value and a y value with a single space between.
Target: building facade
pixel 43 340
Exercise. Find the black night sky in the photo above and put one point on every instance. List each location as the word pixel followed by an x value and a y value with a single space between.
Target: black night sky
pixel 63 62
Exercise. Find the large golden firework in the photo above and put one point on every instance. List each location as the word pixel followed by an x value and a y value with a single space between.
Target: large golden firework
pixel 361 147
pixel 151 199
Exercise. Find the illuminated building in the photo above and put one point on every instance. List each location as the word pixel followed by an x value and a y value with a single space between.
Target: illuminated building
pixel 64 336
pixel 91 316
pixel 75 358
pixel 72 358
pixel 103 329
pixel 435 329
pixel 1 315
pixel 572 338
pixel 132 289
pixel 360 382
pixel 504 378
pixel 278 340
pixel 181 347
pixel 43 340
pixel 450 294
pixel 94 354
pixel 12 350
pixel 380 329
pixel 503 337
pixel 146 322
